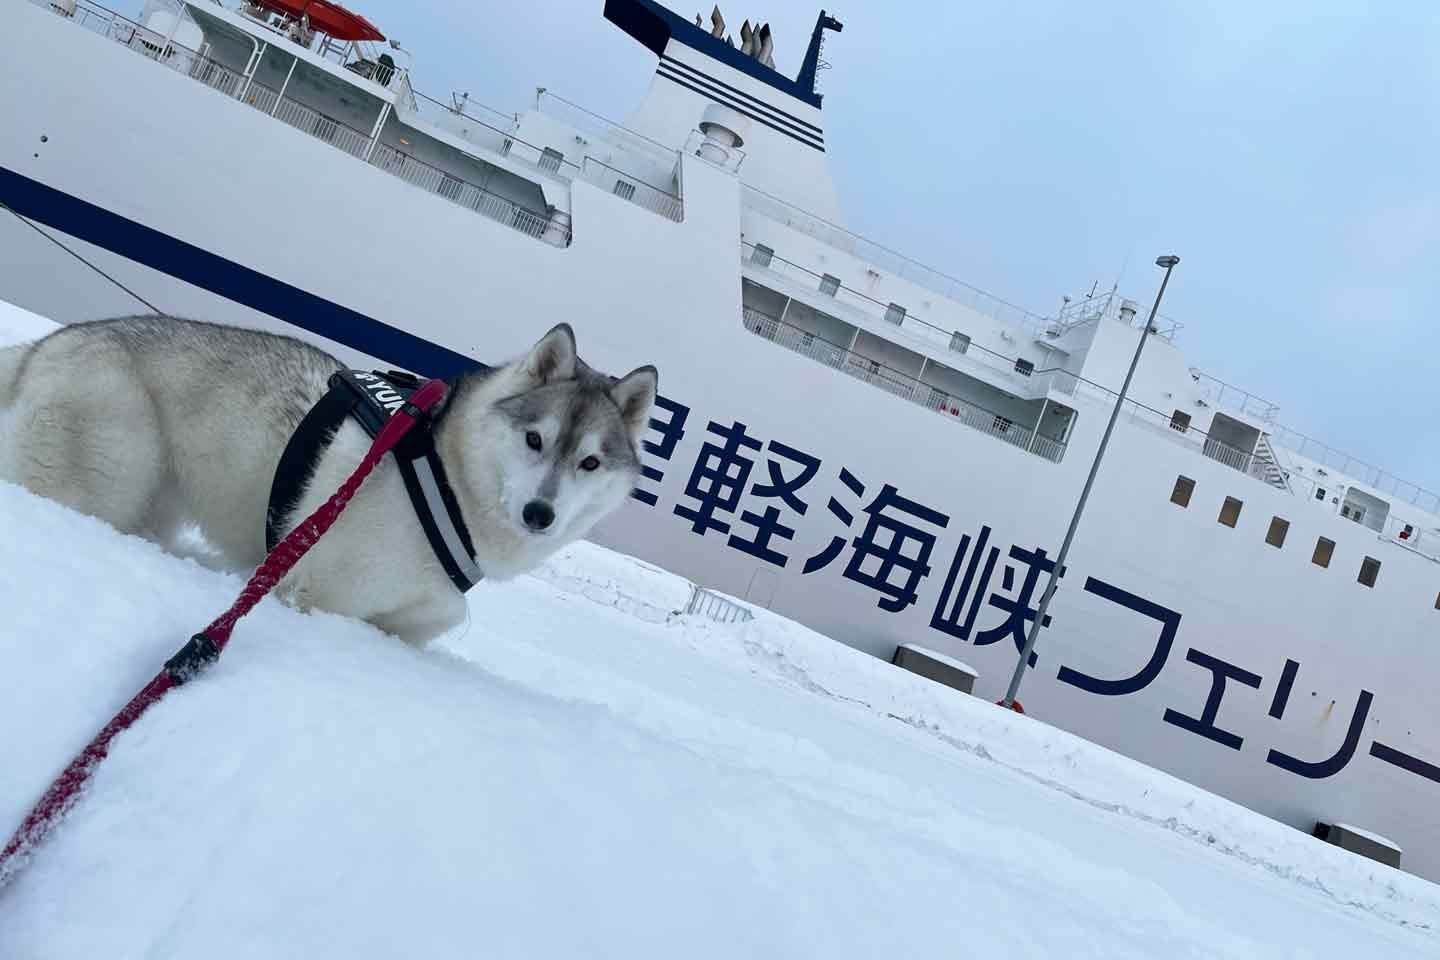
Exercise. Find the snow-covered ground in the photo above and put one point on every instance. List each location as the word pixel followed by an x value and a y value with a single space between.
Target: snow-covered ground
pixel 582 772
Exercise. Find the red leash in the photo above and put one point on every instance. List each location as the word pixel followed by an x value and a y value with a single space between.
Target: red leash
pixel 205 647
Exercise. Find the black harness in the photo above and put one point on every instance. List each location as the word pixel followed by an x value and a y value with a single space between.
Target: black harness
pixel 370 398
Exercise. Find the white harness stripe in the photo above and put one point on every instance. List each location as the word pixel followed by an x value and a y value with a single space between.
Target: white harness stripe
pixel 448 533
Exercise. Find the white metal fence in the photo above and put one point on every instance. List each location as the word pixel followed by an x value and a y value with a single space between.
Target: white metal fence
pixel 630 188
pixel 707 603
pixel 902 385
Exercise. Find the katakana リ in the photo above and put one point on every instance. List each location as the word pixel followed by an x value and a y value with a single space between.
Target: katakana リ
pixel 718 478
pixel 1169 621
pixel 786 489
pixel 671 430
pixel 1318 769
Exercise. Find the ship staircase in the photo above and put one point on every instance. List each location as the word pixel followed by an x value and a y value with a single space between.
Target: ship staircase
pixel 1266 465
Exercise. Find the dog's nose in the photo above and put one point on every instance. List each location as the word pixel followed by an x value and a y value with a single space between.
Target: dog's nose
pixel 538 515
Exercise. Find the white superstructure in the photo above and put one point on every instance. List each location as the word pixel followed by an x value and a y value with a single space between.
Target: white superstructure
pixel 849 437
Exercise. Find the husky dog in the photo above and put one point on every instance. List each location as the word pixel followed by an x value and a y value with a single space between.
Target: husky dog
pixel 153 424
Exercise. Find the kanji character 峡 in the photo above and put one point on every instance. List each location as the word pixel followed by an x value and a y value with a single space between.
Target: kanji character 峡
pixel 1018 612
pixel 953 618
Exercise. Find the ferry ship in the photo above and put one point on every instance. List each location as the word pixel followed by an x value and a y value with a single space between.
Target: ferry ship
pixel 870 446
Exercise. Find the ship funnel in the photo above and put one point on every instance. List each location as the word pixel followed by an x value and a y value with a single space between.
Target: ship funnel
pixel 747 39
pixel 766 47
pixel 717 23
pixel 725 130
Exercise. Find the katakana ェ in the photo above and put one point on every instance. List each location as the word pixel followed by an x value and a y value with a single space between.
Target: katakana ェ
pixel 1221 672
pixel 671 429
pixel 889 543
pixel 1169 622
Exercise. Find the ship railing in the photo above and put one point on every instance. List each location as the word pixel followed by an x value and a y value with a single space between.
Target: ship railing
pixel 900 384
pixel 593 123
pixel 487 128
pixel 1231 397
pixel 1107 306
pixel 1356 469
pixel 1222 394
pixel 632 188
pixel 929 333
pixel 886 259
pixel 552 228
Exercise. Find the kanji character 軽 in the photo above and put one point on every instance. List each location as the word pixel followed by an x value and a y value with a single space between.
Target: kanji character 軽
pixel 1018 612
pixel 718 478
pixel 1169 621
pixel 1319 769
pixel 767 525
pixel 1205 724
pixel 671 430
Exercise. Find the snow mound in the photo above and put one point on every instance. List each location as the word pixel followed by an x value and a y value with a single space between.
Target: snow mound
pixel 566 776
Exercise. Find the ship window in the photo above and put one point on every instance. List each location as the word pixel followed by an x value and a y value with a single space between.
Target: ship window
pixel 1369 570
pixel 550 159
pixel 1001 424
pixel 1180 420
pixel 1230 511
pixel 1319 493
pixel 1275 536
pixel 1184 487
pixel 505 147
pixel 624 190
pixel 1024 367
pixel 1324 550
pixel 829 285
pixel 761 255
pixel 959 342
pixel 1437 601
pixel 895 314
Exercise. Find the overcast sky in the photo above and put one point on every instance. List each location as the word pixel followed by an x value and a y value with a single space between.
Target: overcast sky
pixel 1287 153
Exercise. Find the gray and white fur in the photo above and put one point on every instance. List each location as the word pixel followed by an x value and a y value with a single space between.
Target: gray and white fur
pixel 153 424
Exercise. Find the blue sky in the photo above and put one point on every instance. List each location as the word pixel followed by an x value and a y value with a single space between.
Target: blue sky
pixel 1285 151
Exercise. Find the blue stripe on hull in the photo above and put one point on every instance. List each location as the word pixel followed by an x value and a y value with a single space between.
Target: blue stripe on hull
pixel 226 278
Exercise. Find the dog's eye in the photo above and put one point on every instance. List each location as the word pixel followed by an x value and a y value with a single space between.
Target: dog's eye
pixel 532 440
pixel 589 463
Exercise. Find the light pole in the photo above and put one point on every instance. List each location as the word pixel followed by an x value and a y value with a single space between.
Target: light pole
pixel 1168 262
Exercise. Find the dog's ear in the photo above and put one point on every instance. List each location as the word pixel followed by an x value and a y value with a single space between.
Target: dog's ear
pixel 634 394
pixel 553 358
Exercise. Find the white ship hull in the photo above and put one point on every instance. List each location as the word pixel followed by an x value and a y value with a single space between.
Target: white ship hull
pixel 208 208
